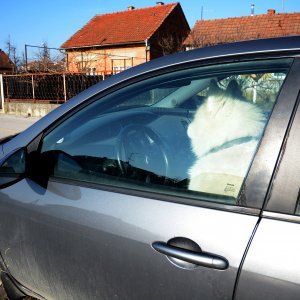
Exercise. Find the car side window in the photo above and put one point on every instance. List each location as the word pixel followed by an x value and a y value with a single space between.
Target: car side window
pixel 190 133
pixel 13 167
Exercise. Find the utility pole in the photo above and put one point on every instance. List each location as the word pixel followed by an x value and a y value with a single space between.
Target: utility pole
pixel 26 58
pixel 2 93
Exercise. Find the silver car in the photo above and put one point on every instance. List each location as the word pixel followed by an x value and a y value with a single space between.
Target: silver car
pixel 175 179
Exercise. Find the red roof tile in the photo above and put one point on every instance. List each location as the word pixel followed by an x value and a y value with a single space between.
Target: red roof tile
pixel 134 25
pixel 219 31
pixel 5 62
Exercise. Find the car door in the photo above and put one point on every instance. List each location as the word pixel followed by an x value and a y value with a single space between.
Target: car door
pixel 107 210
pixel 271 268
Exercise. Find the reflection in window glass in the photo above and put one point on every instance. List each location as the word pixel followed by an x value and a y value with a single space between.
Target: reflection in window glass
pixel 192 133
pixel 297 211
pixel 14 165
pixel 13 168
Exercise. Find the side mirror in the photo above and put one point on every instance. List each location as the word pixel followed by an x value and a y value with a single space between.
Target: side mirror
pixel 13 167
pixel 36 166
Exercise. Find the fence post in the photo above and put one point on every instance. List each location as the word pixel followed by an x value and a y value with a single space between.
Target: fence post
pixel 2 93
pixel 65 87
pixel 32 82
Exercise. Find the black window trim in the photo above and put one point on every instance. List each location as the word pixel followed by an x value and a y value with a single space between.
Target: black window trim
pixel 283 199
pixel 261 175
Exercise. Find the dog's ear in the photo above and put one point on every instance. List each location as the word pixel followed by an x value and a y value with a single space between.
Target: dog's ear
pixel 233 90
pixel 214 88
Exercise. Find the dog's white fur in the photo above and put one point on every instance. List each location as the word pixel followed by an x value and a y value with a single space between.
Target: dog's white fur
pixel 220 119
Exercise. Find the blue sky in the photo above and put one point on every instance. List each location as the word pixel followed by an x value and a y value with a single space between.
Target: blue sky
pixel 54 21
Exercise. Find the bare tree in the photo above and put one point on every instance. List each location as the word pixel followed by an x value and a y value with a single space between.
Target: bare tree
pixel 44 62
pixel 87 61
pixel 170 43
pixel 8 46
pixel 12 54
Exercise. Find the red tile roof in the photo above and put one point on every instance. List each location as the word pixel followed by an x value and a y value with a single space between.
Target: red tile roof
pixel 134 25
pixel 212 32
pixel 5 62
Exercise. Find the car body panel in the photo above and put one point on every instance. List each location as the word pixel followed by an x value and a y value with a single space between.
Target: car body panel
pixel 271 268
pixel 114 233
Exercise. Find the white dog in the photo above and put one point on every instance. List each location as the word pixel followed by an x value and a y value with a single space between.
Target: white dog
pixel 224 134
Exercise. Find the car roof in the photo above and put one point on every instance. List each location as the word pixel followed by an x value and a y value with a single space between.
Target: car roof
pixel 266 47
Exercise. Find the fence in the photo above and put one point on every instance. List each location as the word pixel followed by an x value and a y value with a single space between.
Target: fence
pixel 1 93
pixel 47 87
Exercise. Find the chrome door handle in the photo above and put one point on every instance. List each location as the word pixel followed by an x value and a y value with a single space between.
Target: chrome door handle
pixel 203 259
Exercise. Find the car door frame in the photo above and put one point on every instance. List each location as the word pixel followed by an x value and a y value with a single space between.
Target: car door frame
pixel 286 178
pixel 262 169
pixel 272 268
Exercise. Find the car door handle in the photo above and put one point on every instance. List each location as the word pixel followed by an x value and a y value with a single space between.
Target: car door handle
pixel 203 259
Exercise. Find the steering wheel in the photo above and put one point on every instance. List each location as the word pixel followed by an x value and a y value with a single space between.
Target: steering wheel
pixel 140 149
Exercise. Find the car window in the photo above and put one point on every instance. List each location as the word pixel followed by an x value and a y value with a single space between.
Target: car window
pixel 13 167
pixel 191 133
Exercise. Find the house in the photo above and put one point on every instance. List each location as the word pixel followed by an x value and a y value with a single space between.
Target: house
pixel 112 42
pixel 219 31
pixel 6 65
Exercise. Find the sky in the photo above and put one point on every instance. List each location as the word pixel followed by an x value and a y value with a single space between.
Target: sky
pixel 34 22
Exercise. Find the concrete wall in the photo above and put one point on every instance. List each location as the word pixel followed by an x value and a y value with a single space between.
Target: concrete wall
pixel 29 109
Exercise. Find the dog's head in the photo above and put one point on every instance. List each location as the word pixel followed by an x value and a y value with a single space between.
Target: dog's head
pixel 224 116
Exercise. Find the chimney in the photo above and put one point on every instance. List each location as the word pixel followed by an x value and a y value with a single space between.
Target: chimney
pixel 252 9
pixel 131 7
pixel 271 11
pixel 159 3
